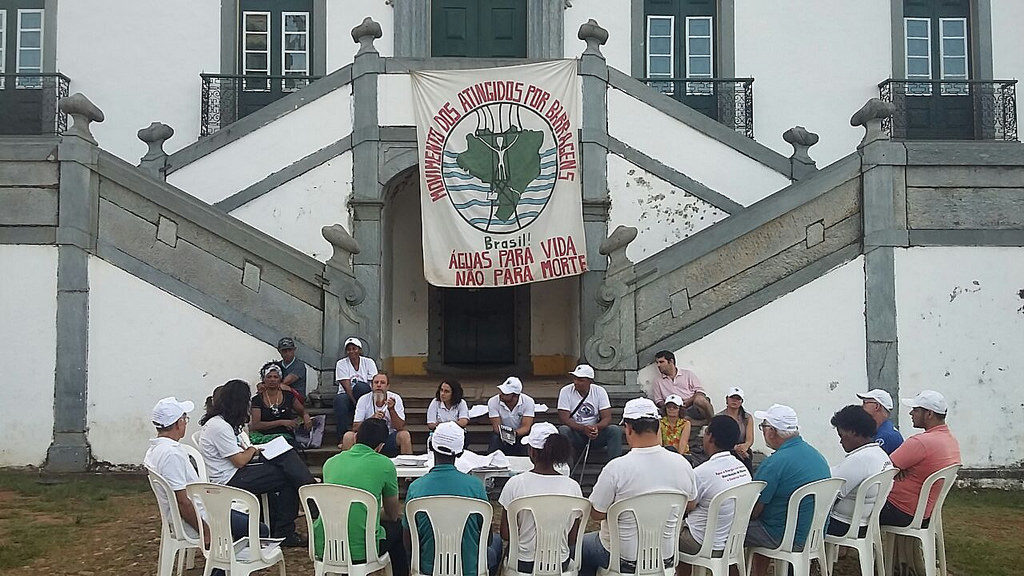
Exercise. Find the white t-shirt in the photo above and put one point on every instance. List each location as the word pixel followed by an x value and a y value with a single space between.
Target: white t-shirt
pixel 365 409
pixel 166 458
pixel 641 471
pixel 533 484
pixel 343 370
pixel 721 472
pixel 858 465
pixel 437 413
pixel 514 417
pixel 590 411
pixel 218 443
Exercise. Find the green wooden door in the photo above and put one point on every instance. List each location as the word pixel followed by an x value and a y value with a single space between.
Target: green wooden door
pixel 275 39
pixel 680 43
pixel 937 36
pixel 478 28
pixel 479 326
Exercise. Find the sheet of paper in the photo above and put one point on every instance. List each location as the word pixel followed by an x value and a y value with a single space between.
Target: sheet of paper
pixel 478 411
pixel 274 448
pixel 246 554
pixel 540 408
pixel 472 461
pixel 411 460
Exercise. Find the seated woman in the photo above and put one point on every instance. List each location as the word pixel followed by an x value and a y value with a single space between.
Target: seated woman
pixel 274 411
pixel 864 458
pixel 448 405
pixel 675 430
pixel 734 408
pixel 547 448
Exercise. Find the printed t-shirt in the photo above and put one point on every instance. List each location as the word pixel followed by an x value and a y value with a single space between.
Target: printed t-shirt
pixel 344 370
pixel 721 472
pixel 512 418
pixel 533 484
pixel 888 437
pixel 590 411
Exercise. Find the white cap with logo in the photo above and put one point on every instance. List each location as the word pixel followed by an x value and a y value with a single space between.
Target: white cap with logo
pixel 674 399
pixel 735 391
pixel 448 438
pixel 878 395
pixel 538 435
pixel 929 400
pixel 355 341
pixel 780 417
pixel 583 371
pixel 511 385
pixel 638 408
pixel 168 411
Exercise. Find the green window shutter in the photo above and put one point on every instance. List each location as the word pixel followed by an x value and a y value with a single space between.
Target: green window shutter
pixel 478 28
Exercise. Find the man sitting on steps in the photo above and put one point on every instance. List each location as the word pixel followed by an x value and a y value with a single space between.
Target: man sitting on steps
pixel 586 414
pixel 387 406
pixel 512 410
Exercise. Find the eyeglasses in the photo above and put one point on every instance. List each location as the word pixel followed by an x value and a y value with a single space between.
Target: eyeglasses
pixel 764 425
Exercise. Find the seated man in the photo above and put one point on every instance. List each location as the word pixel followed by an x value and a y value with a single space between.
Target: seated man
pixel 721 472
pixel 353 373
pixel 878 404
pixel 919 457
pixel 794 464
pixel 673 380
pixel 447 443
pixel 647 467
pixel 513 410
pixel 364 467
pixel 293 371
pixel 864 458
pixel 387 406
pixel 166 457
pixel 586 414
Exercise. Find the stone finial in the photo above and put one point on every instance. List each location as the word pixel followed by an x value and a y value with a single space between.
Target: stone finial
pixel 870 116
pixel 83 112
pixel 614 247
pixel 344 246
pixel 154 136
pixel 595 37
pixel 365 34
pixel 801 139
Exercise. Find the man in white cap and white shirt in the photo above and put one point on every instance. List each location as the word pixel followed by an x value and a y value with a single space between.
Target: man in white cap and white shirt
pixel 919 457
pixel 647 467
pixel 353 374
pixel 511 413
pixel 585 413
pixel 793 464
pixel 167 458
pixel 878 404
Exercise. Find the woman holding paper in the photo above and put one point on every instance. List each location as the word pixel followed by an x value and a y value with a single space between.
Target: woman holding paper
pixel 274 411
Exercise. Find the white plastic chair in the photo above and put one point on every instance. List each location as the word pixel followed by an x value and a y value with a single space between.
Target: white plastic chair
pixel 236 558
pixel 744 498
pixel 195 437
pixel 550 513
pixel 933 545
pixel 448 515
pixel 824 493
pixel 196 459
pixel 653 513
pixel 335 503
pixel 869 548
pixel 175 542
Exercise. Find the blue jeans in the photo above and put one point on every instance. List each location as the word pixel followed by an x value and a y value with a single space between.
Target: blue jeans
pixel 610 437
pixel 594 555
pixel 345 407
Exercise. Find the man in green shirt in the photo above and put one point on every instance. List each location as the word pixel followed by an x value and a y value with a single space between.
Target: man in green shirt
pixel 444 479
pixel 364 467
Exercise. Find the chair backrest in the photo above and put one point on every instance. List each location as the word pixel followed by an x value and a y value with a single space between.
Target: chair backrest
pixel 653 513
pixel 195 437
pixel 551 513
pixel 823 494
pixel 195 458
pixel 218 499
pixel 880 484
pixel 448 516
pixel 743 497
pixel 946 475
pixel 335 504
pixel 171 523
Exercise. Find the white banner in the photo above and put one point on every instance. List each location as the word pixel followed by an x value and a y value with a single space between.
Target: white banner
pixel 500 174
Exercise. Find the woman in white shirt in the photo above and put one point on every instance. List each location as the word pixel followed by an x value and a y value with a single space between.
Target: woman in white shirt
pixel 864 458
pixel 547 449
pixel 448 405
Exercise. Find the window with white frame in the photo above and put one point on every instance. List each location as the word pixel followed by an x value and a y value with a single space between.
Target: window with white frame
pixel 699 54
pixel 661 51
pixel 953 35
pixel 294 48
pixel 256 49
pixel 3 44
pixel 29 58
pixel 918 34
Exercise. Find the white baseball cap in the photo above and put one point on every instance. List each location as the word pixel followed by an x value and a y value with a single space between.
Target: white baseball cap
pixel 780 417
pixel 538 435
pixel 583 371
pixel 929 400
pixel 448 438
pixel 169 410
pixel 354 341
pixel 735 391
pixel 878 395
pixel 511 385
pixel 674 399
pixel 638 408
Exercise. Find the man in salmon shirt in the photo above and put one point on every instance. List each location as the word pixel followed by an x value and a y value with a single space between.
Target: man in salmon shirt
pixel 919 457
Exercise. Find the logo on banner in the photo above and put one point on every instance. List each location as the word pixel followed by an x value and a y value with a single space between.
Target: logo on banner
pixel 499 167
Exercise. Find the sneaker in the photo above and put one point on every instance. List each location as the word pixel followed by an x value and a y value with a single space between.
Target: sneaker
pixel 296 540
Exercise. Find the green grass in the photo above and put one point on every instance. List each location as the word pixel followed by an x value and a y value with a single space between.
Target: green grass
pixel 983 532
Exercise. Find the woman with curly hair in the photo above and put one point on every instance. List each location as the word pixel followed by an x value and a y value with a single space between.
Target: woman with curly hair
pixel 448 405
